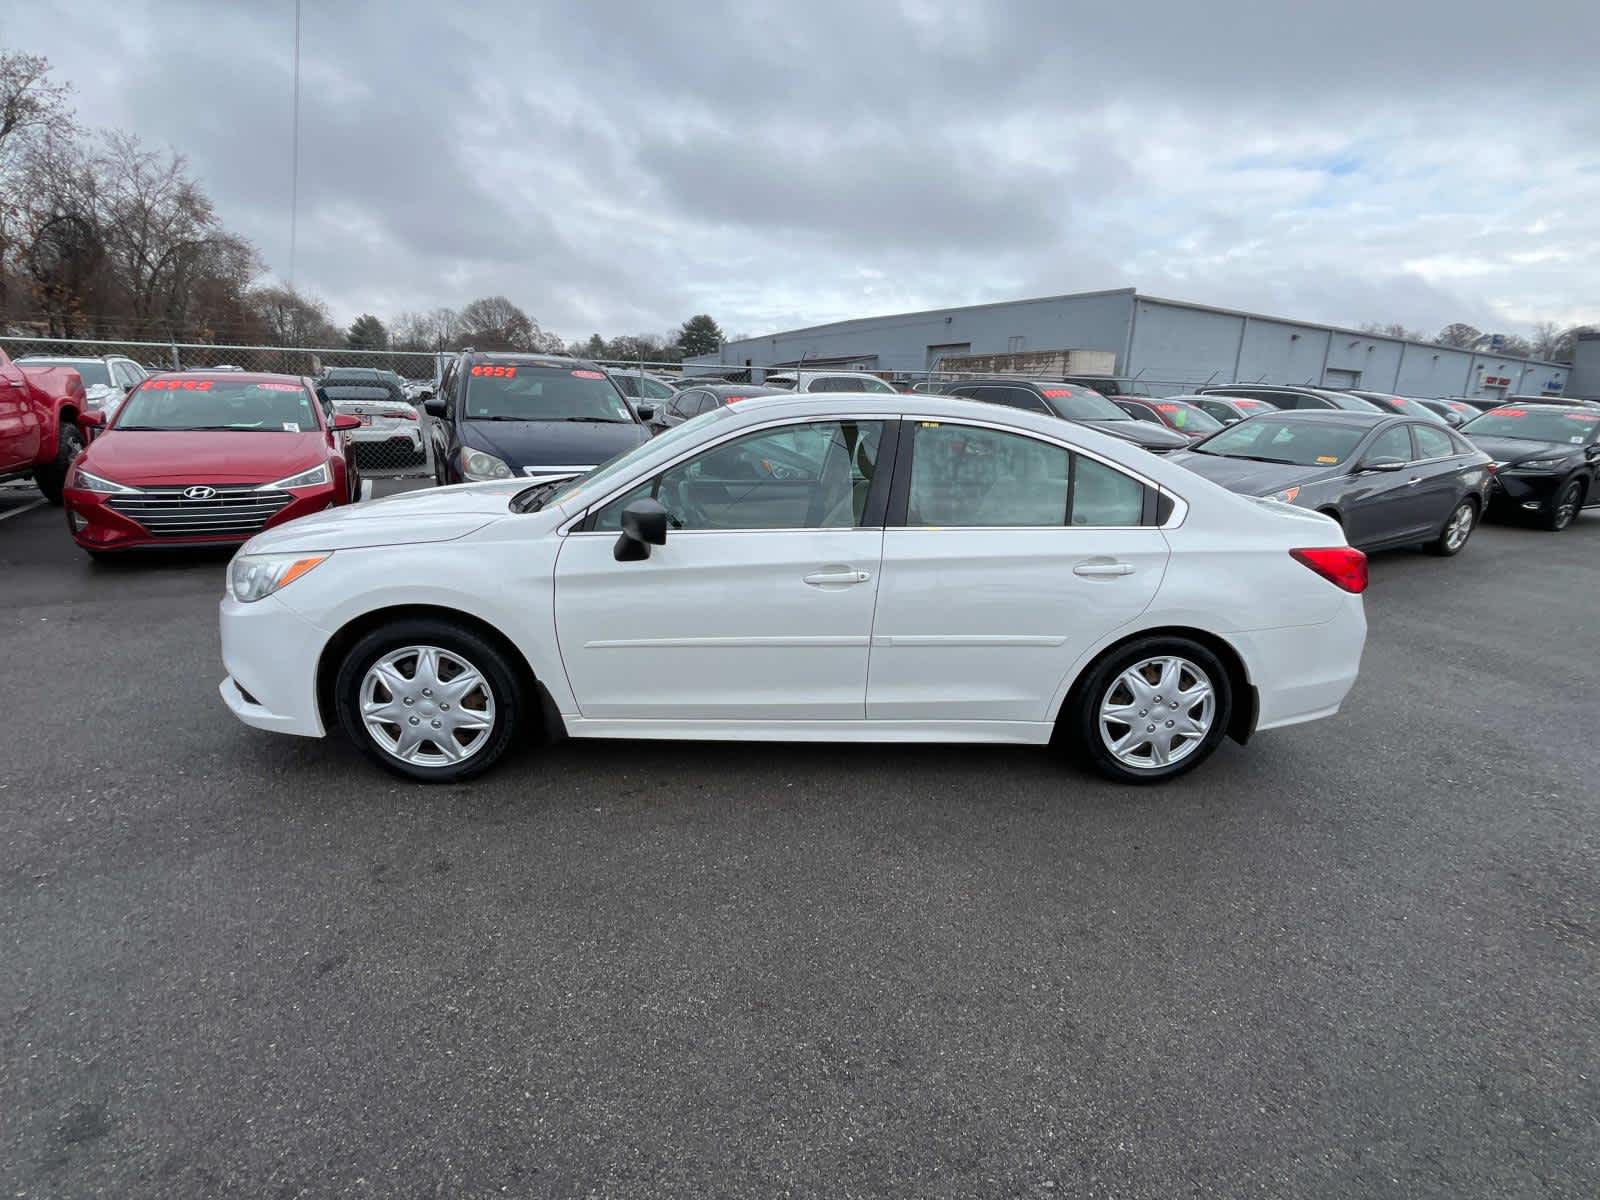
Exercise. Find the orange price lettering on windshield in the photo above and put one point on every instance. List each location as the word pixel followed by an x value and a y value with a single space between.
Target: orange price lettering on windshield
pixel 179 385
pixel 495 372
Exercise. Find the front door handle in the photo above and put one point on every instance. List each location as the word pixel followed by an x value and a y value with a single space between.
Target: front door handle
pixel 1414 481
pixel 825 578
pixel 1102 570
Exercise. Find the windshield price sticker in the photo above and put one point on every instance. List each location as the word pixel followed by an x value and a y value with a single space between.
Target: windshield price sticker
pixel 1577 416
pixel 1327 458
pixel 1510 412
pixel 588 375
pixel 496 372
pixel 278 387
pixel 1056 393
pixel 182 385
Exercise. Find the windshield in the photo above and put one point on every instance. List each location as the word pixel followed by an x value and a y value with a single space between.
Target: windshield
pixel 94 372
pixel 579 491
pixel 1298 443
pixel 542 392
pixel 242 405
pixel 1536 425
pixel 1187 417
pixel 1082 404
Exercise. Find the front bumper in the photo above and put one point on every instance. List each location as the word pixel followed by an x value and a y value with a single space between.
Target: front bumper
pixel 96 525
pixel 1510 490
pixel 271 654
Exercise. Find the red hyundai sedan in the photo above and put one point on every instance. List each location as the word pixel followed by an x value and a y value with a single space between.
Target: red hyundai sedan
pixel 208 459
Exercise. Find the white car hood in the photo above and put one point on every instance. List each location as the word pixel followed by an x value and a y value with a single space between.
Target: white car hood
pixel 428 515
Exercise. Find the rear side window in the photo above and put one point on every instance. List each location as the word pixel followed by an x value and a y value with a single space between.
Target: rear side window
pixel 965 476
pixel 1012 398
pixel 1433 443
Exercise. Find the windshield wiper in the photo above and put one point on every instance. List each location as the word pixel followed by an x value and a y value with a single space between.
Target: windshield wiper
pixel 597 420
pixel 1282 462
pixel 532 499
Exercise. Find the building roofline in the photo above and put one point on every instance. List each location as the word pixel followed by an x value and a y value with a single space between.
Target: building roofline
pixel 1342 329
pixel 933 312
pixel 1137 296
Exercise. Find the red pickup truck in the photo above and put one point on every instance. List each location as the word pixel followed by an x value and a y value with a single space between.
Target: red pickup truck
pixel 39 433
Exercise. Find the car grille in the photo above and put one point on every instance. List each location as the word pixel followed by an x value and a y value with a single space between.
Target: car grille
pixel 233 512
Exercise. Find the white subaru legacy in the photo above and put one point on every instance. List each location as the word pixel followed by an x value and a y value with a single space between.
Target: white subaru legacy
pixel 806 568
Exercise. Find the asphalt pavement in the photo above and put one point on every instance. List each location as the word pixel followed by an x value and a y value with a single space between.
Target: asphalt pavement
pixel 1356 958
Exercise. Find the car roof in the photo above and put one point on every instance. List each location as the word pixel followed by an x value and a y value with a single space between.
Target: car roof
pixel 1541 406
pixel 744 389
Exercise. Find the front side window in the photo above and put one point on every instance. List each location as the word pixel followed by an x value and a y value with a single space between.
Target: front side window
pixel 238 405
pixel 1187 418
pixel 810 476
pixel 1392 443
pixel 965 476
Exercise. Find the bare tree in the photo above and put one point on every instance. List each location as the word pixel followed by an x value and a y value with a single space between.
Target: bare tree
pixel 1546 340
pixel 1460 335
pixel 494 323
pixel 288 318
pixel 32 109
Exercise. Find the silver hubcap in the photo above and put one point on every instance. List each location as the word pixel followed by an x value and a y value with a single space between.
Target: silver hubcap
pixel 1567 506
pixel 427 706
pixel 1455 534
pixel 1157 712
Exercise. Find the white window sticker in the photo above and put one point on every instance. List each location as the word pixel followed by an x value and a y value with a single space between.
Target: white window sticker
pixel 291 427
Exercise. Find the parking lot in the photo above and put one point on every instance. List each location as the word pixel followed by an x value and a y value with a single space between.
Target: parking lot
pixel 1356 959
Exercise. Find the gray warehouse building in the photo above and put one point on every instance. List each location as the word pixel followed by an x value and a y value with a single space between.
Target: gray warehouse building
pixel 1163 346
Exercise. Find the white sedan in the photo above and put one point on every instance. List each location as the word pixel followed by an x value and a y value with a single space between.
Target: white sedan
pixel 820 568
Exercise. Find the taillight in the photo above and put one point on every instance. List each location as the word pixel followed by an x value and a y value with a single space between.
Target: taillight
pixel 1343 566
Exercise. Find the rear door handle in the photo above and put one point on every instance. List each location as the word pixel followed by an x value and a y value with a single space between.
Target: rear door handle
pixel 1414 481
pixel 824 578
pixel 1102 570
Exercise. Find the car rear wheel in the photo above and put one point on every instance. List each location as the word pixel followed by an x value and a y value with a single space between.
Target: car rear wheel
pixel 429 700
pixel 1456 530
pixel 1563 509
pixel 1155 709
pixel 53 478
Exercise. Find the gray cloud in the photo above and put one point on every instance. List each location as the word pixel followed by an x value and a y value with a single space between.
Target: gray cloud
pixel 616 166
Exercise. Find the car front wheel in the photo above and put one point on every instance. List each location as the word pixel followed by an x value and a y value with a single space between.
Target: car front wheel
pixel 1155 709
pixel 52 479
pixel 1563 509
pixel 429 700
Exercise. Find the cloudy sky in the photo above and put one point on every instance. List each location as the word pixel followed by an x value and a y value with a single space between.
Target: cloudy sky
pixel 615 167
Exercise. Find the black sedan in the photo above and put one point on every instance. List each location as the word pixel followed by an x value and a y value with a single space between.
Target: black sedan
pixel 1070 402
pixel 692 401
pixel 1546 459
pixel 1390 481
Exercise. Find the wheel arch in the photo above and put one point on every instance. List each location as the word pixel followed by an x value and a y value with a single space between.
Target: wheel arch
pixel 1246 702
pixel 337 646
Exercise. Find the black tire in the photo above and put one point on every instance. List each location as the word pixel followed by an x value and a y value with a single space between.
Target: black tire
pixel 1083 718
pixel 502 677
pixel 1445 545
pixel 1563 510
pixel 53 478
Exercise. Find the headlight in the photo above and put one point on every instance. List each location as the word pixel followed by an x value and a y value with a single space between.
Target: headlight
pixel 254 576
pixel 315 477
pixel 1287 495
pixel 93 483
pixel 1538 464
pixel 475 464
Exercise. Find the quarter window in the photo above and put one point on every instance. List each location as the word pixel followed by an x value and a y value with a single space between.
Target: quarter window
pixel 962 475
pixel 811 476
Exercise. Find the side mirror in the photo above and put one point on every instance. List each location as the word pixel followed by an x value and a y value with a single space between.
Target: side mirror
pixel 91 422
pixel 647 412
pixel 435 405
pixel 424 394
pixel 1383 464
pixel 644 524
pixel 344 421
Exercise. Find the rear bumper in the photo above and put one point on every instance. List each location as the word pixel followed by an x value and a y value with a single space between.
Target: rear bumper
pixel 1304 672
pixel 271 653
